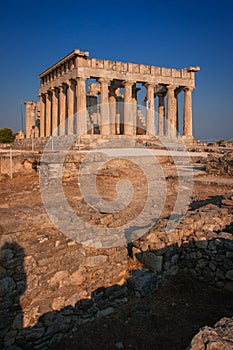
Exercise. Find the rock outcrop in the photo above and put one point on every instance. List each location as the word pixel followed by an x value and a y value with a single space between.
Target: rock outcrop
pixel 219 337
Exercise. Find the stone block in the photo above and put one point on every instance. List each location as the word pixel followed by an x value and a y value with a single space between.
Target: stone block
pixel 152 262
pixel 229 275
pixel 143 282
pixel 7 286
pixel 202 244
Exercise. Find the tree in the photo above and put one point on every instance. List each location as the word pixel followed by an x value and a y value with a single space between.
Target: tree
pixel 6 135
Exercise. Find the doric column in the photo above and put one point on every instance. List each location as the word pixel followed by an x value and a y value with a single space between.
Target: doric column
pixel 62 126
pixel 81 106
pixel 71 94
pixel 171 119
pixel 42 115
pixel 188 112
pixel 104 107
pixel 48 114
pixel 112 109
pixel 129 122
pixel 161 114
pixel 176 111
pixel 135 102
pixel 118 123
pixel 150 112
pixel 55 111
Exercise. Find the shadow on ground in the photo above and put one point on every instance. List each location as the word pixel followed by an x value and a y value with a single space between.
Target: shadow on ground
pixel 166 318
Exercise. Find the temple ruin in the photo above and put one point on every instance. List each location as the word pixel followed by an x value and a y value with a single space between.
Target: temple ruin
pixel 80 95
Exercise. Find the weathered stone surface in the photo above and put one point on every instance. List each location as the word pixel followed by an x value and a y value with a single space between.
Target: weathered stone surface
pixel 108 75
pixel 229 275
pixel 220 164
pixel 57 273
pixel 7 286
pixel 216 338
pixel 143 282
pixel 152 261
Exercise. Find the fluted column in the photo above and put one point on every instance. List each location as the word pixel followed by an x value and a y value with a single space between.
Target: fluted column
pixel 112 109
pixel 48 114
pixel 42 115
pixel 135 103
pixel 62 126
pixel 150 112
pixel 81 106
pixel 187 131
pixel 176 111
pixel 171 119
pixel 55 111
pixel 71 94
pixel 104 107
pixel 129 123
pixel 161 114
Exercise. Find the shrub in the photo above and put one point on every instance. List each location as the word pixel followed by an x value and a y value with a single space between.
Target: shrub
pixel 6 135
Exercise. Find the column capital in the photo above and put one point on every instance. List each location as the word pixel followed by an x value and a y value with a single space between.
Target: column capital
pixel 177 91
pixel 188 88
pixel 128 83
pixel 41 96
pixel 171 87
pixel 81 79
pixel 54 89
pixel 49 93
pixel 149 85
pixel 63 87
pixel 71 84
pixel 103 80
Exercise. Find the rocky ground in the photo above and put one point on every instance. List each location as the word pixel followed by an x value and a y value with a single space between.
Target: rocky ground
pixel 169 318
pixel 166 320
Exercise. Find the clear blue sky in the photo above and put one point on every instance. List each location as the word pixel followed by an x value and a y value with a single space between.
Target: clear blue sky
pixel 33 35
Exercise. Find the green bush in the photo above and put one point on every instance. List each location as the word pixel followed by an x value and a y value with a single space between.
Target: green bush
pixel 6 135
pixel 221 142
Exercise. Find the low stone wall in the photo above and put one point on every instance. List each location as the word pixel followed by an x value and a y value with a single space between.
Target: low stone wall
pixel 21 162
pixel 55 288
pixel 49 285
pixel 202 244
pixel 220 164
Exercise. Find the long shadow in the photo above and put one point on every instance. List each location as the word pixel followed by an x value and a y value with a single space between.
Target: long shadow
pixel 215 200
pixel 53 326
pixel 13 283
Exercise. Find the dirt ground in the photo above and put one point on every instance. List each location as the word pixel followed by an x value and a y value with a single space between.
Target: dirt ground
pixel 167 320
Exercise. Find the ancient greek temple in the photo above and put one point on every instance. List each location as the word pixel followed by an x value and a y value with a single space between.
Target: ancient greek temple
pixel 82 95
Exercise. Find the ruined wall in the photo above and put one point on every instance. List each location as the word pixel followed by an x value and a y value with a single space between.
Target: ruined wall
pixel 202 244
pixel 49 284
pixel 220 164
